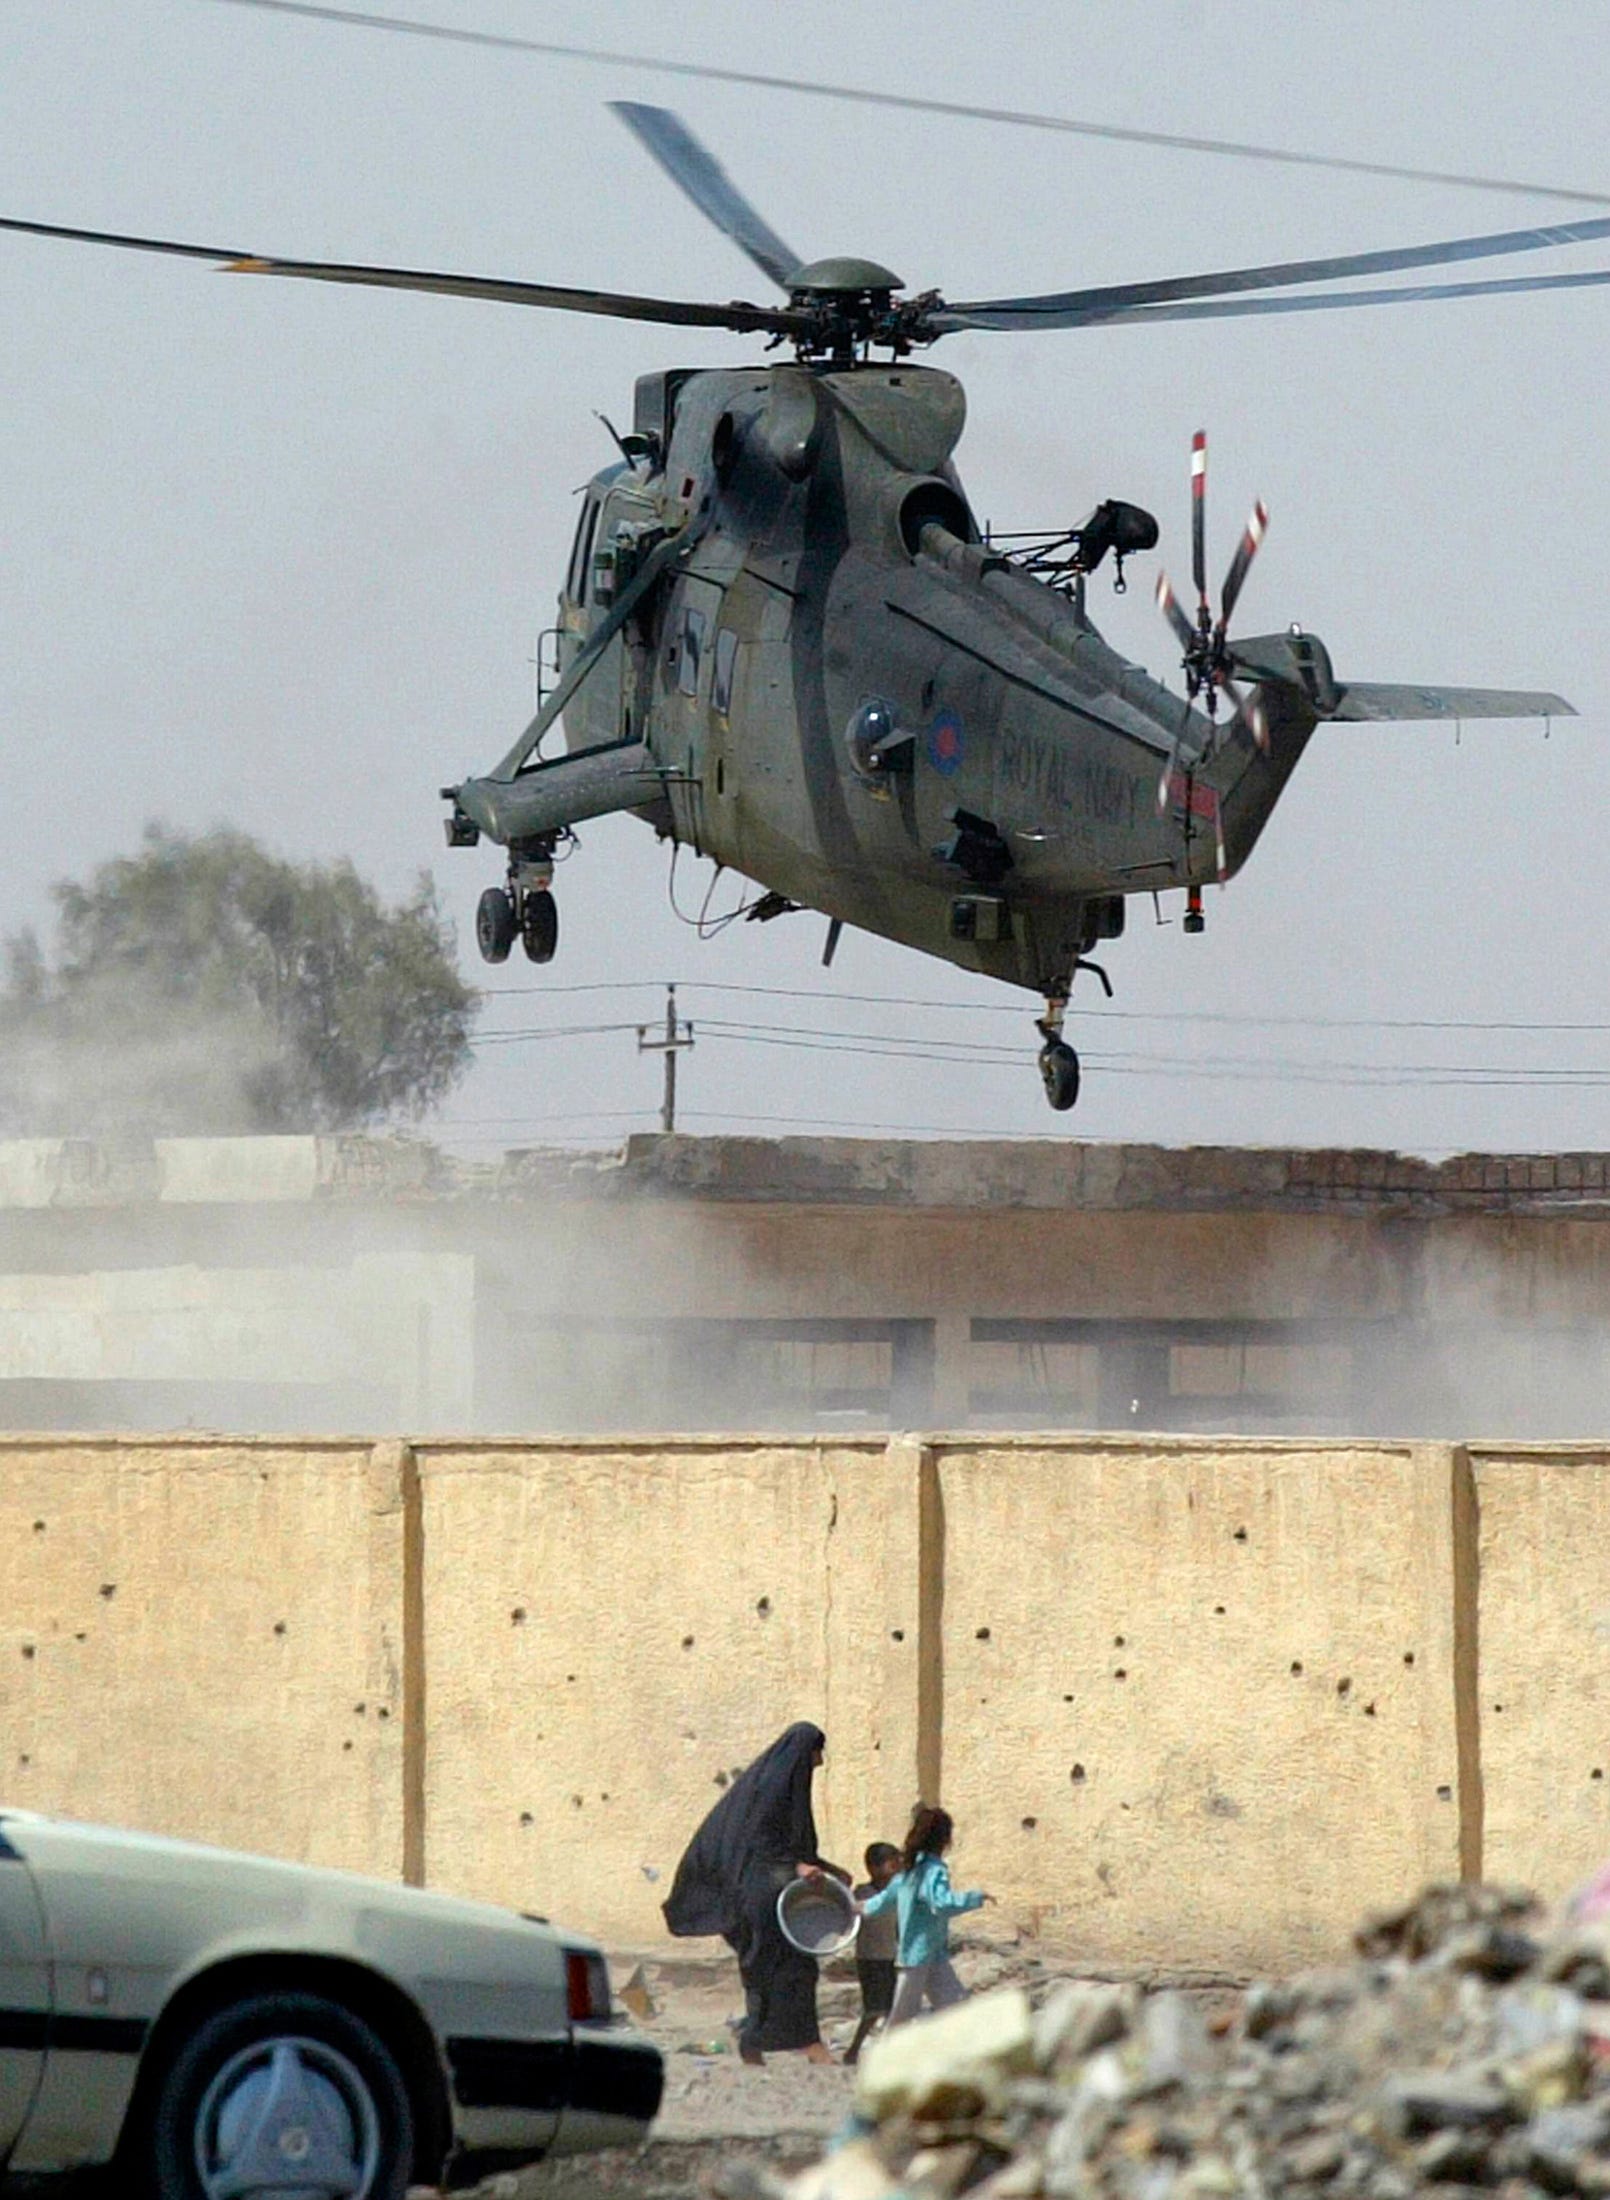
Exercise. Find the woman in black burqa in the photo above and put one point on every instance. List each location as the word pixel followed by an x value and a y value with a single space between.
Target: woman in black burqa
pixel 759 1836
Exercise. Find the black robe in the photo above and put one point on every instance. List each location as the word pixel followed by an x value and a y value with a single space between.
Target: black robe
pixel 728 1882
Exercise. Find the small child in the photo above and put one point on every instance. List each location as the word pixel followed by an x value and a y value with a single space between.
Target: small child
pixel 875 1947
pixel 925 1903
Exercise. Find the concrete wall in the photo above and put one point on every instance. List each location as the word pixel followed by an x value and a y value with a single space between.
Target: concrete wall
pixel 205 1637
pixel 1195 1704
pixel 1231 1672
pixel 1543 1660
pixel 612 1632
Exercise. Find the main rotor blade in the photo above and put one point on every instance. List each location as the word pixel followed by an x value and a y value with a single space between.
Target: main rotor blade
pixel 1330 301
pixel 779 320
pixel 1113 133
pixel 1077 308
pixel 709 186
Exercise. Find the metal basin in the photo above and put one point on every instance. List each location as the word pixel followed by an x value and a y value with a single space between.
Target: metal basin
pixel 818 1917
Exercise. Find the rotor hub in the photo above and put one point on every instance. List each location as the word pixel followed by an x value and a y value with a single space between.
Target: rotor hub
pixel 843 278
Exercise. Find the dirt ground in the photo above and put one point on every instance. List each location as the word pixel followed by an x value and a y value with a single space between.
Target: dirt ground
pixel 718 2111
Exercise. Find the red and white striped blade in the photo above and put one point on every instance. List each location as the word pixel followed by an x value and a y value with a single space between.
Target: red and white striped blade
pixel 1250 711
pixel 1241 564
pixel 1199 514
pixel 1169 605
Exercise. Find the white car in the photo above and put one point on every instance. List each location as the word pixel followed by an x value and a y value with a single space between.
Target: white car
pixel 223 2027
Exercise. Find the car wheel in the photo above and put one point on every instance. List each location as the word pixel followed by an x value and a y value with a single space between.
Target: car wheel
pixel 286 2095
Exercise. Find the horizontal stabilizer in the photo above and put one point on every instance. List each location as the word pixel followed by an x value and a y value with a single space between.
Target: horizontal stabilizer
pixel 1368 699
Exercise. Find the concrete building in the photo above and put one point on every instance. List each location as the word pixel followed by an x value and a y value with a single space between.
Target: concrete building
pixel 321 1283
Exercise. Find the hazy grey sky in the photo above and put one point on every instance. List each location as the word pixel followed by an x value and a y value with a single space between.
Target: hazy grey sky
pixel 276 554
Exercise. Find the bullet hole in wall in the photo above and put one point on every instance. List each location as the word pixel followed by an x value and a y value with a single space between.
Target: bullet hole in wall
pixel 570 1676
pixel 80 1636
pixel 720 1777
pixel 1445 1795
pixel 279 1627
pixel 1029 1824
pixel 764 1607
pixel 108 1590
pixel 359 1709
pixel 1218 1611
pixel 1240 1535
pixel 27 1649
pixel 1369 1711
pixel 897 1634
pixel 526 1818
pixel 1119 1673
pixel 1408 1657
pixel 517 1616
pixel 1077 1775
pixel 25 1759
pixel 1596 1774
pixel 687 1644
pixel 1118 1642
pixel 575 1802
pixel 1498 1707
pixel 1296 1665
pixel 346 1748
pixel 1067 1699
pixel 382 1713
pixel 39 1527
pixel 1344 1687
pixel 981 1635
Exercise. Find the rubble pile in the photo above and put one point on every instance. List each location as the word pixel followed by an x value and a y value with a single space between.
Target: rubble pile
pixel 1467 2048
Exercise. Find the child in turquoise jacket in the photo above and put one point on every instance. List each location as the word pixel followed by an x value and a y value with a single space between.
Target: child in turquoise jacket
pixel 925 1902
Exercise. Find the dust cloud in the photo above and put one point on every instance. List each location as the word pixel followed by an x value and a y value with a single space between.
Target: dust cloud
pixel 363 1284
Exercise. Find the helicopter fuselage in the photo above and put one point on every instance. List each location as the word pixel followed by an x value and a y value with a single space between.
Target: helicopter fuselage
pixel 848 697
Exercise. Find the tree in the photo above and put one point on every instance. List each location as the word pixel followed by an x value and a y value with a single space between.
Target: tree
pixel 205 985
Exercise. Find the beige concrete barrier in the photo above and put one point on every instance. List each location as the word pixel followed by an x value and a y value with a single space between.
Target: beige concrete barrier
pixel 611 1631
pixel 1544 1660
pixel 1199 1701
pixel 1194 1703
pixel 205 1637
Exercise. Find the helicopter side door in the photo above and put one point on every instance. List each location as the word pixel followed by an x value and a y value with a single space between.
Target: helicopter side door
pixel 616 528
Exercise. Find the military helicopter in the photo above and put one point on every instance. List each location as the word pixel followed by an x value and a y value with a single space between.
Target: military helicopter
pixel 785 642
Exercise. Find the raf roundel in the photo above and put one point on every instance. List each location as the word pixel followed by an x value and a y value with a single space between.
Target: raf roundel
pixel 945 744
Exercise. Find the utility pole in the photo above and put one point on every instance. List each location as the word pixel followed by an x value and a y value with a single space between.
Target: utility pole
pixel 678 1035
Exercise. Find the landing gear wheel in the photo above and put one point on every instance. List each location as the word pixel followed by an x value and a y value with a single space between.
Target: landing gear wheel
pixel 1059 1073
pixel 281 2093
pixel 539 927
pixel 494 925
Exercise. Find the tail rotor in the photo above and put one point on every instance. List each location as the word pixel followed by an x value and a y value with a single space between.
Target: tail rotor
pixel 1207 657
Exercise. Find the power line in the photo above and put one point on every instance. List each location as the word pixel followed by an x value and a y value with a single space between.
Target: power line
pixel 1246 1069
pixel 1093 1013
pixel 1017 118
